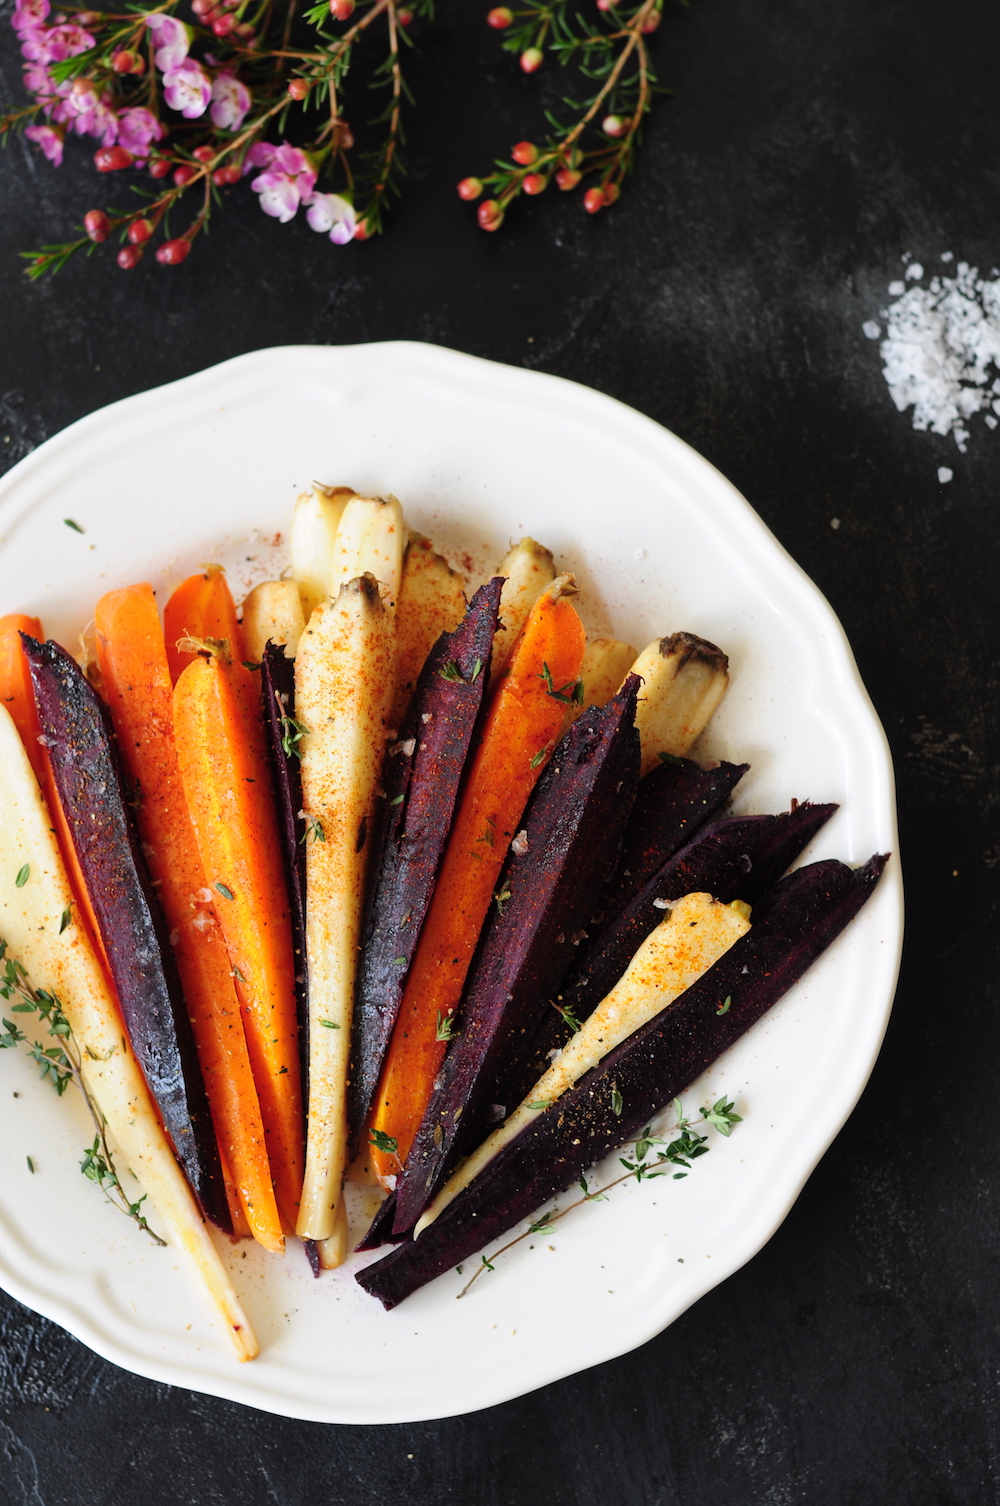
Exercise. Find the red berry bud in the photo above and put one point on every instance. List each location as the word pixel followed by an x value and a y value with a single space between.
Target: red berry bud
pixel 204 153
pixel 524 153
pixel 88 17
pixel 202 7
pixel 223 25
pixel 128 62
pixel 97 225
pixel 246 33
pixel 651 23
pixel 298 88
pixel 140 231
pixel 500 18
pixel 593 200
pixel 567 178
pixel 606 5
pixel 108 159
pixel 159 167
pixel 535 183
pixel 490 215
pixel 342 10
pixel 470 188
pixel 362 231
pixel 129 257
pixel 185 173
pixel 531 60
pixel 225 175
pixel 404 17
pixel 614 125
pixel 172 253
pixel 612 193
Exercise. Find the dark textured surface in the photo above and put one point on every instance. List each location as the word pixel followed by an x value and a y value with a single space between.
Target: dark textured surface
pixel 808 146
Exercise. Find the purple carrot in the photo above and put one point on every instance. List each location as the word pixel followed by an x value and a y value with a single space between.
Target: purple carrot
pixel 615 1101
pixel 673 803
pixel 277 692
pixel 571 837
pixel 422 775
pixel 380 1228
pixel 738 858
pixel 84 766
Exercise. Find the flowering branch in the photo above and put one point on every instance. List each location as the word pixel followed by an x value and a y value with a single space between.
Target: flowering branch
pixel 622 99
pixel 134 81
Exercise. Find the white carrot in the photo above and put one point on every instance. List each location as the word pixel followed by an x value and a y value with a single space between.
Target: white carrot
pixel 343 691
pixel 272 613
pixel 370 540
pixel 684 679
pixel 431 602
pixel 314 528
pixel 606 662
pixel 693 935
pixel 527 569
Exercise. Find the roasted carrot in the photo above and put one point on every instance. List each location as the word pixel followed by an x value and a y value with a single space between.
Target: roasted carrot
pixel 227 784
pixel 201 607
pixel 137 688
pixel 521 728
pixel 15 686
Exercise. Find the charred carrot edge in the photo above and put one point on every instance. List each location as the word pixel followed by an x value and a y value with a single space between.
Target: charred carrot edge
pixel 227 785
pixel 521 728
pixel 133 661
pixel 201 607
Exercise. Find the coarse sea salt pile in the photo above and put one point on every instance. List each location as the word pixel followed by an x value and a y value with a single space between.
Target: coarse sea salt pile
pixel 941 350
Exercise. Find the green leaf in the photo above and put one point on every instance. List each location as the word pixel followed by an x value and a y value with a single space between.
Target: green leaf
pixel 445 1028
pixel 539 757
pixel 224 891
pixel 387 1144
pixel 617 1103
pixel 70 523
pixel 671 758
pixel 724 1006
pixel 23 875
pixel 65 921
pixel 328 1024
pixel 540 1103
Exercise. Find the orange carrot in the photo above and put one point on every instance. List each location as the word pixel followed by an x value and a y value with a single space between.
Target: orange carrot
pixel 522 726
pixel 227 784
pixel 15 685
pixel 137 687
pixel 201 607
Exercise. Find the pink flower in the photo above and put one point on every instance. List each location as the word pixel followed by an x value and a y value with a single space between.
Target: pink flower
pixel 328 211
pixel 59 43
pixel 230 102
pixel 289 181
pixel 136 129
pixel 188 90
pixel 37 80
pixel 89 114
pixel 28 14
pixel 173 41
pixel 50 141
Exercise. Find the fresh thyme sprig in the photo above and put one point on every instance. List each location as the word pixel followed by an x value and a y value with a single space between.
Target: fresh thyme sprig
pixel 686 1146
pixel 603 127
pixel 60 1064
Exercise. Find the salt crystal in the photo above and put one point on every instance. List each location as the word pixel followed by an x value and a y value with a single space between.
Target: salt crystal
pixel 914 271
pixel 871 329
pixel 945 474
pixel 947 256
pixel 941 351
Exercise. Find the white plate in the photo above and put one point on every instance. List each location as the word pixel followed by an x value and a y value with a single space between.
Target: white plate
pixel 208 468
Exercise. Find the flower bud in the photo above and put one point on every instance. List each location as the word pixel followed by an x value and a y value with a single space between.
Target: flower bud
pixel 524 154
pixel 108 159
pixel 606 5
pixel 593 200
pixel 225 175
pixel 567 178
pixel 185 173
pixel 172 253
pixel 203 7
pixel 97 225
pixel 342 10
pixel 129 257
pixel 246 33
pixel 223 25
pixel 88 17
pixel 499 18
pixel 531 60
pixel 204 153
pixel 490 215
pixel 159 167
pixel 612 193
pixel 140 231
pixel 614 125
pixel 362 231
pixel 298 88
pixel 535 183
pixel 470 188
pixel 651 22
pixel 404 17
pixel 128 62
